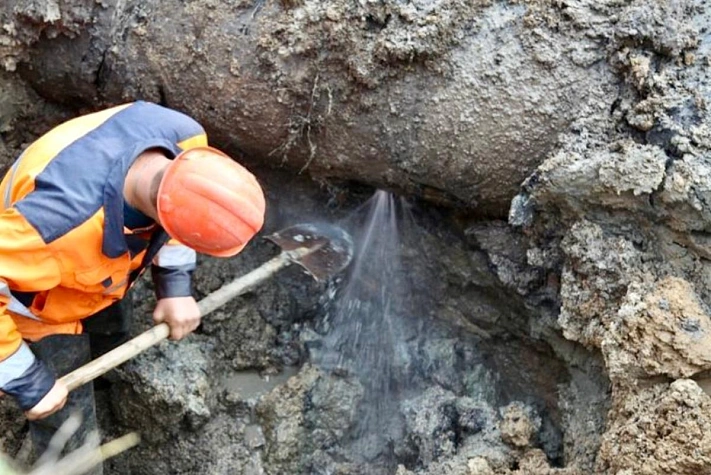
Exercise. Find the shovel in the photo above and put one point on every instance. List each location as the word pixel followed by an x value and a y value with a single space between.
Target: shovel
pixel 322 250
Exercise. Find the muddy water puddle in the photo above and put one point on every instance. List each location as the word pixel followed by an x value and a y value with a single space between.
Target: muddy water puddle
pixel 250 385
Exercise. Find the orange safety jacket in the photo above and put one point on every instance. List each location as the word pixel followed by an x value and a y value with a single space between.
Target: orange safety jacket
pixel 64 251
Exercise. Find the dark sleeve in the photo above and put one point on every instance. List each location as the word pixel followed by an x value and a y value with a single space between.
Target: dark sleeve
pixel 172 281
pixel 31 386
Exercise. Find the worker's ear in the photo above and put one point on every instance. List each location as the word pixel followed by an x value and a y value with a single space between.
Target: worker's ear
pixel 155 186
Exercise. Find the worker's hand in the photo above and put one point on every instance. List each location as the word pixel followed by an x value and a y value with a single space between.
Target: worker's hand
pixel 180 313
pixel 53 401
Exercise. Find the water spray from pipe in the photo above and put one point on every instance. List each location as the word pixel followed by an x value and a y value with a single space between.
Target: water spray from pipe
pixel 365 320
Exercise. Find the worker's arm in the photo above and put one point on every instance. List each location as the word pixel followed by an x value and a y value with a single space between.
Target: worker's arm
pixel 25 264
pixel 172 273
pixel 27 379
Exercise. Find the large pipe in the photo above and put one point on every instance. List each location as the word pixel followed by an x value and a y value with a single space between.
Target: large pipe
pixel 455 101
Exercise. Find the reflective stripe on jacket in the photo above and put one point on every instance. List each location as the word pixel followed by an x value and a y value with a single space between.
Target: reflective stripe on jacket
pixel 64 254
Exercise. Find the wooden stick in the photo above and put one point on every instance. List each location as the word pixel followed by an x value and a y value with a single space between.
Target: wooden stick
pixel 160 332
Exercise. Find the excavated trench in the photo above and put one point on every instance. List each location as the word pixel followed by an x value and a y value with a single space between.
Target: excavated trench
pixel 412 357
pixel 529 296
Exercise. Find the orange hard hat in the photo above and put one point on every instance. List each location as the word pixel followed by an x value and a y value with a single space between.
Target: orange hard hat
pixel 209 202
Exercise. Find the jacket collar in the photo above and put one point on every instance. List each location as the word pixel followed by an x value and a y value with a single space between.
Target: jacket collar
pixel 114 243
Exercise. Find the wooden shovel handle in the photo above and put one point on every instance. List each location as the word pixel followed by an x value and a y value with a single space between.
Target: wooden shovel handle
pixel 115 357
pixel 160 332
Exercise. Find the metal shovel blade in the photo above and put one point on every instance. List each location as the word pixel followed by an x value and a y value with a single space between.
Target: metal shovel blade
pixel 332 247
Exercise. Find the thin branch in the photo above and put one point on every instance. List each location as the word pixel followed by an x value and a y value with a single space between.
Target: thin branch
pixel 88 456
pixel 59 439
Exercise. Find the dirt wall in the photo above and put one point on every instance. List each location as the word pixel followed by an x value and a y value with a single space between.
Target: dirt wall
pixel 456 101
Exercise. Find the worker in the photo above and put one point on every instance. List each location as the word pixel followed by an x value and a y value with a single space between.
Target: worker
pixel 85 210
